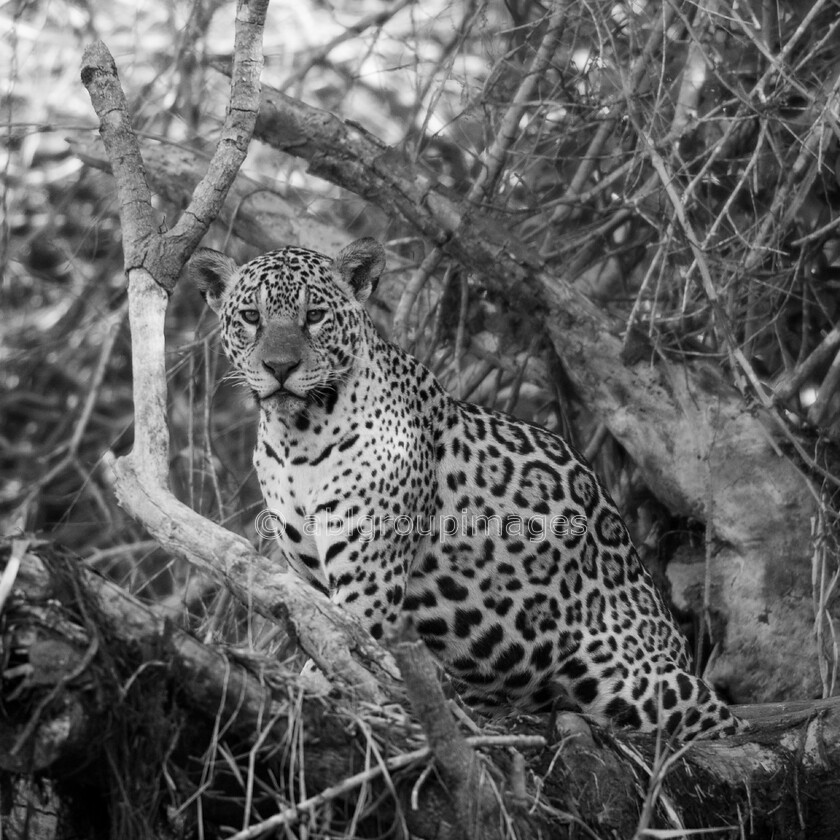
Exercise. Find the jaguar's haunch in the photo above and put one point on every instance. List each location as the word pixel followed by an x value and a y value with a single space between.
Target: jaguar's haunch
pixel 494 534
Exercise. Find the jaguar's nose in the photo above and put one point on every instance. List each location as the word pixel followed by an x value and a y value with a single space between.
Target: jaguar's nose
pixel 281 369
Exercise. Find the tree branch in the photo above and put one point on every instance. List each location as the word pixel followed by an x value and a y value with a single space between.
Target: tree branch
pixel 492 161
pixel 476 809
pixel 334 640
pixel 238 128
pixel 100 77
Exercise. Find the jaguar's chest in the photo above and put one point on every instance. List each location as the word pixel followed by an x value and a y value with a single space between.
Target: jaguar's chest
pixel 333 474
pixel 297 471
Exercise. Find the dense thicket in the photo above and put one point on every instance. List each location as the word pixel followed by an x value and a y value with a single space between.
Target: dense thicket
pixel 631 238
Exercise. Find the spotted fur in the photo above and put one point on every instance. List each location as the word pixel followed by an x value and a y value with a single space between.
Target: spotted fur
pixel 535 593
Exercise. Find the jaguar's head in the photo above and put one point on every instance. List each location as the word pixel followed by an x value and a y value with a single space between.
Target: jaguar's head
pixel 291 319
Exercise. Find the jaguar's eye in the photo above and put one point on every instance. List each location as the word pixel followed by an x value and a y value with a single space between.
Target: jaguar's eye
pixel 250 316
pixel 315 316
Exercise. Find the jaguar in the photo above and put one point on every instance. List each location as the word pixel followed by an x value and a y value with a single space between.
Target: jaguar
pixel 393 498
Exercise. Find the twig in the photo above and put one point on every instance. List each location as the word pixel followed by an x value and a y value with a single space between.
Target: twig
pixel 777 63
pixel 491 164
pixel 418 786
pixel 595 442
pixel 700 260
pixel 100 555
pixel 791 381
pixel 494 159
pixel 742 180
pixel 319 56
pixel 294 812
pixel 461 331
pixel 782 208
pixel 663 762
pixel 822 589
pixel 472 11
pixel 607 126
pixel 693 74
pixel 10 572
pixel 412 290
pixel 828 388
pixel 113 323
pixel 206 430
pixel 479 374
pixel 516 385
pixel 237 130
pixel 436 314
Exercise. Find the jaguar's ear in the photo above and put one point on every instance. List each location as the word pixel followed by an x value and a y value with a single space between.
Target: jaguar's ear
pixel 212 272
pixel 359 265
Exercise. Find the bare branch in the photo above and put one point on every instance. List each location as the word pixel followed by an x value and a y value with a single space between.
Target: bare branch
pixel 492 161
pixel 334 640
pixel 378 18
pixel 163 255
pixel 607 127
pixel 786 386
pixel 238 128
pixel 100 77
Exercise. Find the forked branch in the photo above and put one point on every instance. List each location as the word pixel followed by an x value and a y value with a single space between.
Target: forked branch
pixel 153 261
